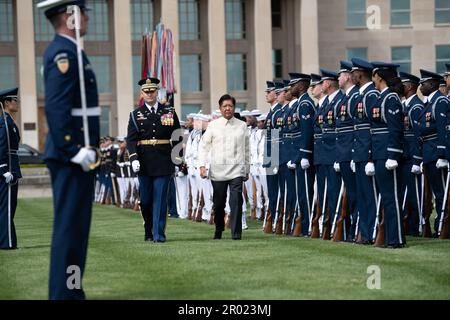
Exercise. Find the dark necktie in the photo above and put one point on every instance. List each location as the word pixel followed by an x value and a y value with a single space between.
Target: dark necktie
pixel 152 110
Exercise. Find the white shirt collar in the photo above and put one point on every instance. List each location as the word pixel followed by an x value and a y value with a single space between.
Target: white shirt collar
pixel 273 106
pixel 430 97
pixel 349 90
pixel 68 37
pixel 292 103
pixel 322 100
pixel 332 96
pixel 149 107
pixel 364 87
pixel 384 90
pixel 408 101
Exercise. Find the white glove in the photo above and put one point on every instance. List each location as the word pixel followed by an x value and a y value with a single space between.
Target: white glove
pixel 442 164
pixel 370 169
pixel 85 157
pixel 305 164
pixel 416 169
pixel 291 165
pixel 113 175
pixel 391 164
pixel 180 174
pixel 337 167
pixel 136 166
pixel 275 170
pixel 353 166
pixel 8 177
pixel 177 169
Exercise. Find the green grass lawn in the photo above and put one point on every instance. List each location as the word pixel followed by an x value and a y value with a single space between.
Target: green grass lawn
pixel 190 265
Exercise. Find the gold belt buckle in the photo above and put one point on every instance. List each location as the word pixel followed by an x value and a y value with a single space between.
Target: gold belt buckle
pixel 153 142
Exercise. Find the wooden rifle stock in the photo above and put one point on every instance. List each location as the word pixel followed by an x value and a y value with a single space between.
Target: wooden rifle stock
pixel 287 228
pixel 298 227
pixel 315 233
pixel 198 217
pixel 379 240
pixel 427 208
pixel 268 227
pixel 126 202
pixel 326 234
pixel 279 222
pixel 190 204
pixel 211 219
pixel 445 232
pixel 339 231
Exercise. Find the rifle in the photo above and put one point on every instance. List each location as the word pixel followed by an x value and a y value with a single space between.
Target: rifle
pixel 211 218
pixel 280 220
pixel 326 224
pixel 190 202
pixel 137 202
pixel 126 202
pixel 377 218
pixel 311 211
pixel 277 212
pixel 201 203
pixel 336 214
pixel 379 240
pixel 338 234
pixel 268 222
pixel 427 206
pixel 407 215
pixel 297 220
pixel 443 222
pixel 286 213
pixel 315 233
pixel 255 201
pixel 419 207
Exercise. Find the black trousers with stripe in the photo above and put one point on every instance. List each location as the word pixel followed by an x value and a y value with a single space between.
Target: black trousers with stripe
pixel 8 204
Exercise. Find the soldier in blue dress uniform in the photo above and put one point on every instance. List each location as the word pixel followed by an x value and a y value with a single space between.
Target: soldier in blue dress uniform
pixel 318 154
pixel 344 144
pixel 433 125
pixel 150 130
pixel 386 121
pixel 9 168
pixel 330 87
pixel 362 154
pixel 68 158
pixel 412 154
pixel 303 136
pixel 271 156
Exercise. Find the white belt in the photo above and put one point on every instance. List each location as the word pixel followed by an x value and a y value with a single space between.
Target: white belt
pixel 90 112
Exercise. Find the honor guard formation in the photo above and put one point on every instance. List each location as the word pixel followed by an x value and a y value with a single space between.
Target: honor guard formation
pixel 358 155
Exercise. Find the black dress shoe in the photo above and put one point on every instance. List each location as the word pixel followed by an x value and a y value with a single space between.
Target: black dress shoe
pixel 236 237
pixel 217 235
pixel 149 239
pixel 395 246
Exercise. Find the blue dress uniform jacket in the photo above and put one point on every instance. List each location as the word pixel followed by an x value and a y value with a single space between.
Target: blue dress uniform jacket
pixel 411 115
pixel 329 129
pixel 14 139
pixel 290 134
pixel 155 160
pixel 362 146
pixel 447 128
pixel 345 127
pixel 271 125
pixel 8 198
pixel 73 189
pixel 63 101
pixel 305 113
pixel 433 123
pixel 318 125
pixel 387 127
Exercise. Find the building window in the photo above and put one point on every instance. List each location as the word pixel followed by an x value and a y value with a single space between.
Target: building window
pixel 189 20
pixel 6 21
pixel 189 108
pixel 191 78
pixel 276 14
pixel 141 17
pixel 277 62
pixel 99 21
pixel 137 73
pixel 402 56
pixel 240 106
pixel 237 72
pixel 43 29
pixel 40 77
pixel 8 76
pixel 442 57
pixel 105 121
pixel 235 19
pixel 400 12
pixel 442 11
pixel 102 69
pixel 357 53
pixel 356 13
